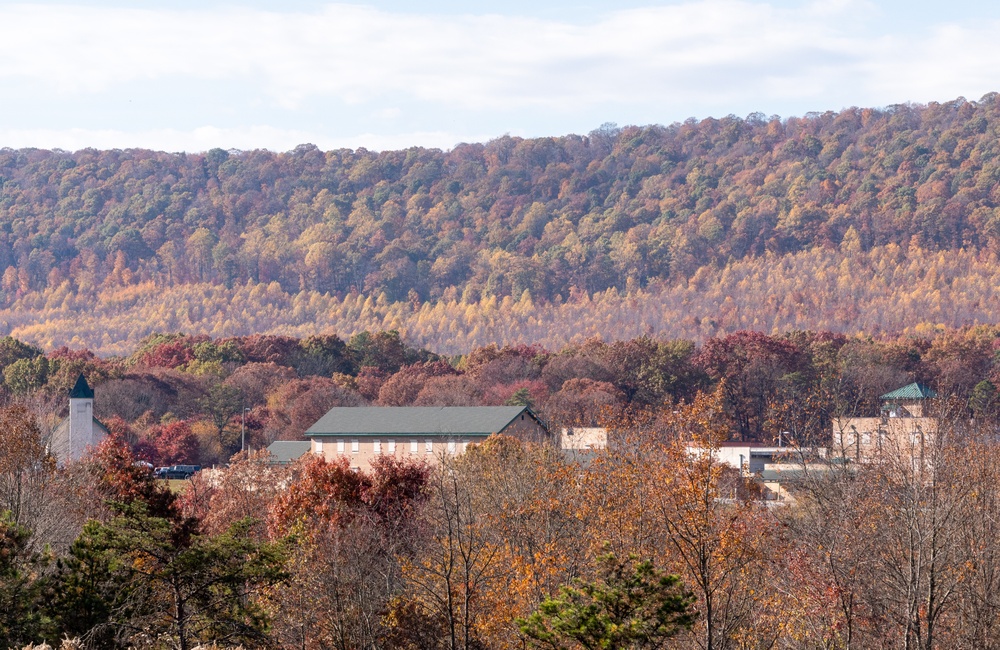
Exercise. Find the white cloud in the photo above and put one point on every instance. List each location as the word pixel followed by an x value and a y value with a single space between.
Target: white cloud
pixel 208 137
pixel 951 61
pixel 701 56
pixel 356 53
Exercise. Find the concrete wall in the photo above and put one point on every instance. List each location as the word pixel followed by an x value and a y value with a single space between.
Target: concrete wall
pixel 74 435
pixel 81 427
pixel 752 457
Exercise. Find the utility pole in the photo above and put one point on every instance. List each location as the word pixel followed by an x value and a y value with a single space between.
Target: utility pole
pixel 243 429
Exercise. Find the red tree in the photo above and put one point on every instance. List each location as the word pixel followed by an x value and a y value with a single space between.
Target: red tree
pixel 174 443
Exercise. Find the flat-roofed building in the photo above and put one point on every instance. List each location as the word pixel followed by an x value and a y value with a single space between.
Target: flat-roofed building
pixel 755 457
pixel 772 466
pixel 362 434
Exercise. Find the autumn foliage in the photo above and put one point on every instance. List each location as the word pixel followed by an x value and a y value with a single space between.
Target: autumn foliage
pixel 223 400
pixel 651 542
pixel 843 221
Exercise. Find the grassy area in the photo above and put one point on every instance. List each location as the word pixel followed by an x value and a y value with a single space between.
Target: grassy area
pixel 176 485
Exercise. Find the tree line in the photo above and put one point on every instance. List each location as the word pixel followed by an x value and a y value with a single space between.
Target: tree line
pixel 887 289
pixel 192 399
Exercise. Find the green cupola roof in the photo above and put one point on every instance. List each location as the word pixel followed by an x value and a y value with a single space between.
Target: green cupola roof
pixel 911 391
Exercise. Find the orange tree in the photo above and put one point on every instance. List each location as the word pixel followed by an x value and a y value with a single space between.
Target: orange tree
pixel 660 492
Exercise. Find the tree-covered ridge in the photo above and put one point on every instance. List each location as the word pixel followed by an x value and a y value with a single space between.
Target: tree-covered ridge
pixel 619 208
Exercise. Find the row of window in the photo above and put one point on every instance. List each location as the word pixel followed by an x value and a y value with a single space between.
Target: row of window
pixel 390 447
pixel 865 438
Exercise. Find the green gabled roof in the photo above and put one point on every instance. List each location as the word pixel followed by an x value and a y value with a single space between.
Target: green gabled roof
pixel 416 420
pixel 912 391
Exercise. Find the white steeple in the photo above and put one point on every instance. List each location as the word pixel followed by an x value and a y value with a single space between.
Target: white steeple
pixel 82 432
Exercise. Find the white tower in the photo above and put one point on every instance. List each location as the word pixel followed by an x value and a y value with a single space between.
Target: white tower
pixel 81 419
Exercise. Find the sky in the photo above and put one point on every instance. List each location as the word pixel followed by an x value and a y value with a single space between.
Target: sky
pixel 191 75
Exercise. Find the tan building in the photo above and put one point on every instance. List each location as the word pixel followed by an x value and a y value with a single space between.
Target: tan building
pixel 361 434
pixel 583 438
pixel 902 429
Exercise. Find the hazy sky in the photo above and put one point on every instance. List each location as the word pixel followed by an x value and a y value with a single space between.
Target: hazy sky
pixel 195 74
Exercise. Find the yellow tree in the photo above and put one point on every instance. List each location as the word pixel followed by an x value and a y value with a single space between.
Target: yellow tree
pixel 715 533
pixel 26 469
pixel 617 488
pixel 456 560
pixel 499 534
pixel 527 493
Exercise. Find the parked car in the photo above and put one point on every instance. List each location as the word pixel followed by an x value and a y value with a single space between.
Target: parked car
pixel 179 471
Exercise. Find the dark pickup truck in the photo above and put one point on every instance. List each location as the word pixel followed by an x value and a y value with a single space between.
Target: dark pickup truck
pixel 177 471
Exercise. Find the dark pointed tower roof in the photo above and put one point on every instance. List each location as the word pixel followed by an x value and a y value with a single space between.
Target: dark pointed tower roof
pixel 82 389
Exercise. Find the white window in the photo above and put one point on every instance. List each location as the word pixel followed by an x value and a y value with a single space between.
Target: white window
pixel 340 446
pixel 429 446
pixel 392 446
pixel 355 446
pixel 866 438
pixel 319 447
pixel 414 446
pixel 451 447
pixel 376 447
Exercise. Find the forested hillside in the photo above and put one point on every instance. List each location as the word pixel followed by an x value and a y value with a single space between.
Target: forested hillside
pixel 862 219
